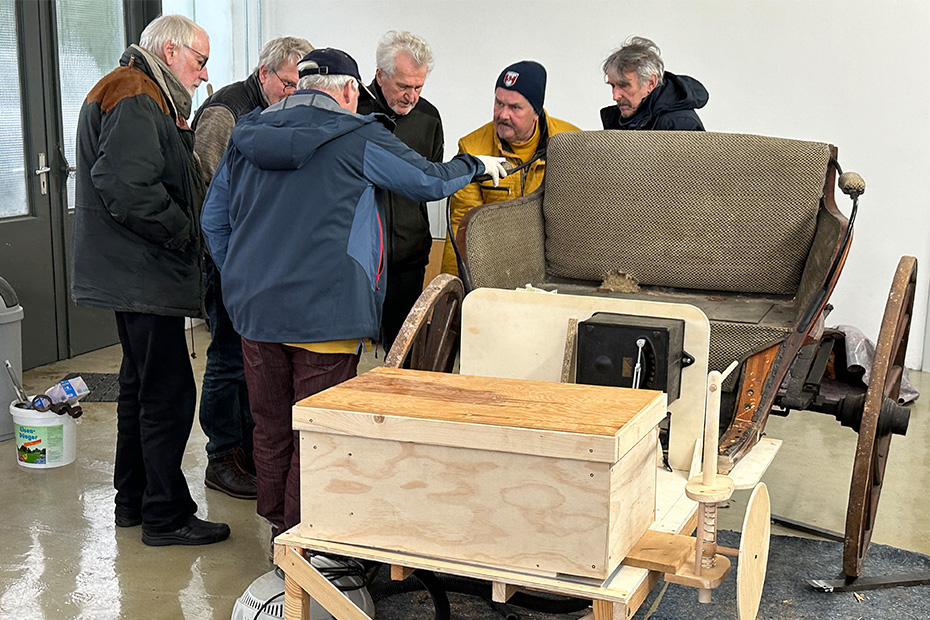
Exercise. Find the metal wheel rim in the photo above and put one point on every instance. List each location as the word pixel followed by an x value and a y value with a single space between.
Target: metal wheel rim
pixel 872 448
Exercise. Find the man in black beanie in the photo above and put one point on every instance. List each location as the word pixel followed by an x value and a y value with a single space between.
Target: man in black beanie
pixel 518 132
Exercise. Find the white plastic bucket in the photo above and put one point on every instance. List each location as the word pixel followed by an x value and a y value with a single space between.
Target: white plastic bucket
pixel 43 439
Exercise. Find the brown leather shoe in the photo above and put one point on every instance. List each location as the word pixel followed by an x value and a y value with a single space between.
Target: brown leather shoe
pixel 224 474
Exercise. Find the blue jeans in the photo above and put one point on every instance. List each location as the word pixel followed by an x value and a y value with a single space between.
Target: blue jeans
pixel 224 399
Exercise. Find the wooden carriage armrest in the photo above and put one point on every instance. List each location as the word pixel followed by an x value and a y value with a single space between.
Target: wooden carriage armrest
pixel 504 242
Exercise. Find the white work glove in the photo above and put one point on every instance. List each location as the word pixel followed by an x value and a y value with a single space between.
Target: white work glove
pixel 493 167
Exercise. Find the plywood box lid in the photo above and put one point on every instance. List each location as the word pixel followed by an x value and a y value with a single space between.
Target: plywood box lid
pixel 582 422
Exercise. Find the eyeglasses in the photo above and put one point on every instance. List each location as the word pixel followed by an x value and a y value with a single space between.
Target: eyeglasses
pixel 201 59
pixel 287 84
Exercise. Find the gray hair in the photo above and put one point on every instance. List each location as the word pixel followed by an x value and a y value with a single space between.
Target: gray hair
pixel 280 50
pixel 637 54
pixel 394 43
pixel 327 83
pixel 176 29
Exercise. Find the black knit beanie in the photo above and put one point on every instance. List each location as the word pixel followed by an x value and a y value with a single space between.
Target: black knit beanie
pixel 528 78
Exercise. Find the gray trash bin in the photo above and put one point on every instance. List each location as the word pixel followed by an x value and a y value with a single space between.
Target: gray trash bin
pixel 11 348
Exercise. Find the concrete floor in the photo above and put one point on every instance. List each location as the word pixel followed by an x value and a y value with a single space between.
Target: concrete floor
pixel 62 557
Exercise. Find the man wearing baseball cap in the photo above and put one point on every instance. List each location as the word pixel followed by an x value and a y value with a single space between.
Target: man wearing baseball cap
pixel 519 133
pixel 294 225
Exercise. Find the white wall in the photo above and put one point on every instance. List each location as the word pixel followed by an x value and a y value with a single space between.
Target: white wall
pixel 849 72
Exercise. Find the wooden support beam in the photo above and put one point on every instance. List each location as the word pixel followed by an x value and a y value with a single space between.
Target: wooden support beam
pixel 501 592
pixel 607 610
pixel 299 571
pixel 296 601
pixel 399 573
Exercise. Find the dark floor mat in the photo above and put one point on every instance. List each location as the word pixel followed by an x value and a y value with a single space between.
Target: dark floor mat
pixel 103 386
pixel 786 595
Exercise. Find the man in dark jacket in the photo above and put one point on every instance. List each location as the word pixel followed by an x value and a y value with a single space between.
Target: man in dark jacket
pixel 293 223
pixel 647 96
pixel 403 62
pixel 224 397
pixel 137 252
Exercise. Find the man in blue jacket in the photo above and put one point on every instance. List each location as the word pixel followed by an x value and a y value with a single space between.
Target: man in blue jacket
pixel 646 95
pixel 293 221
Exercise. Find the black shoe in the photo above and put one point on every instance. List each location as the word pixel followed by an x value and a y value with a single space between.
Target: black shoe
pixel 224 474
pixel 127 517
pixel 196 532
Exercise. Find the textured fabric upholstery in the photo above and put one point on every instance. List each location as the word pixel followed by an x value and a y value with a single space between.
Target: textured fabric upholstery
pixel 733 224
pixel 505 243
pixel 693 210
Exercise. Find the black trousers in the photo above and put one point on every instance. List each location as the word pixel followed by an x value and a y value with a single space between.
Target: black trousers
pixel 404 285
pixel 155 414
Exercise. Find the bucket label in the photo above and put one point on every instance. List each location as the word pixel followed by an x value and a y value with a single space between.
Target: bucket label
pixel 39 445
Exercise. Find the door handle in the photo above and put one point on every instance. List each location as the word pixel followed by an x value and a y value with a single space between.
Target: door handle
pixel 42 172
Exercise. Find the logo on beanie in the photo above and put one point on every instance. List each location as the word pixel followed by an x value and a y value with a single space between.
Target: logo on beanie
pixel 510 78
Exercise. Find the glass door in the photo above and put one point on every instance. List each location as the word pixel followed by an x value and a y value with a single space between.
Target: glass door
pixel 26 242
pixel 91 38
pixel 53 54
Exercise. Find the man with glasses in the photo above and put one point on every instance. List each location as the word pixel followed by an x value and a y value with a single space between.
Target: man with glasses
pixel 137 251
pixel 403 62
pixel 224 401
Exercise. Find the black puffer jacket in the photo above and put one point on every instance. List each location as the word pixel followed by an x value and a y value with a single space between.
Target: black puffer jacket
pixel 669 107
pixel 409 241
pixel 138 193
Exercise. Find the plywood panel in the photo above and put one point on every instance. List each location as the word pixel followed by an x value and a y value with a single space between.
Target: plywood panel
pixel 632 497
pixel 532 513
pixel 571 421
pixel 521 334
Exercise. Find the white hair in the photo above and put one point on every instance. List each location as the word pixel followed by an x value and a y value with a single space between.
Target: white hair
pixel 175 29
pixel 394 43
pixel 327 83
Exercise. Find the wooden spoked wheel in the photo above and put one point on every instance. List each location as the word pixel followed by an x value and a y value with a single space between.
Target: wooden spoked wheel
pixel 429 336
pixel 874 441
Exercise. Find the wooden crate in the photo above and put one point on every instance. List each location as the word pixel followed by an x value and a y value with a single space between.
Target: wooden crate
pixel 534 476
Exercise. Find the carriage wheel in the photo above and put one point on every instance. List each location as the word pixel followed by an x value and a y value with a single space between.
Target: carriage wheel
pixel 874 441
pixel 429 336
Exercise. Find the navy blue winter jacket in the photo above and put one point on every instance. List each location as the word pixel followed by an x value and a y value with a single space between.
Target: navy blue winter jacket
pixel 293 221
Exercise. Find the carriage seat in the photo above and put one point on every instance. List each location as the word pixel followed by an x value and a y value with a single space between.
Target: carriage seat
pixel 742 226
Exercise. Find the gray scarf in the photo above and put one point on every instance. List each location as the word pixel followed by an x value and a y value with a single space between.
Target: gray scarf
pixel 177 95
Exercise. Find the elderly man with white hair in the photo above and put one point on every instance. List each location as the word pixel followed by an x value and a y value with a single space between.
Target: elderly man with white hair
pixel 137 252
pixel 224 400
pixel 294 223
pixel 403 62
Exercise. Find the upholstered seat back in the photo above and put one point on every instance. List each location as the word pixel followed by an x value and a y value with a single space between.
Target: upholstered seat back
pixel 693 210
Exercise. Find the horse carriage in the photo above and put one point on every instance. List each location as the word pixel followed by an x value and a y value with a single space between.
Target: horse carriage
pixel 695 265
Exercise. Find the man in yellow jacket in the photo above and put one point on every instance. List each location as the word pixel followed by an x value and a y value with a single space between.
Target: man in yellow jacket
pixel 519 132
